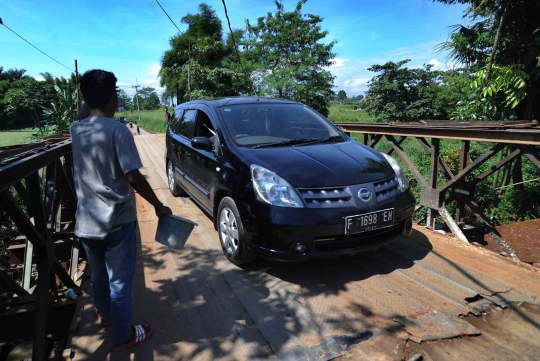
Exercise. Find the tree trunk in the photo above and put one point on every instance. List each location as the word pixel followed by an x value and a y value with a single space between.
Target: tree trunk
pixel 495 44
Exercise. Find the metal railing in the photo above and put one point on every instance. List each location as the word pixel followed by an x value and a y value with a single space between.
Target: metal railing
pixel 512 138
pixel 37 194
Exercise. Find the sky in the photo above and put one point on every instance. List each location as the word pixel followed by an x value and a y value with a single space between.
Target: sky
pixel 128 37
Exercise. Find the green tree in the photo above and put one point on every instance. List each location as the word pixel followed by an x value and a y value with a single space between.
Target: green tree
pixel 11 120
pixel 148 98
pixel 289 57
pixel 402 94
pixel 126 99
pixel 359 98
pixel 32 97
pixel 199 63
pixel 501 44
pixel 342 95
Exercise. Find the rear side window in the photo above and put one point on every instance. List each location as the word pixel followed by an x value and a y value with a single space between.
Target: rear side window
pixel 187 123
pixel 174 121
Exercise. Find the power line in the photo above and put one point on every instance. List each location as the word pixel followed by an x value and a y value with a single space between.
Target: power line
pixel 168 16
pixel 41 51
pixel 236 47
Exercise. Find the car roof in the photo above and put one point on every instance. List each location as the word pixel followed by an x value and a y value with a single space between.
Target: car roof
pixel 217 102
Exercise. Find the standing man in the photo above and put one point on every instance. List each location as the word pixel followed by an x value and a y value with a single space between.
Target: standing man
pixel 106 163
pixel 167 116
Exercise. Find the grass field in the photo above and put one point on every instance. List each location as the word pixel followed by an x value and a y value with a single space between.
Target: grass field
pixel 15 137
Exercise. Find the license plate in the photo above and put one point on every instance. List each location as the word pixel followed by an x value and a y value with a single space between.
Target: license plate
pixel 369 221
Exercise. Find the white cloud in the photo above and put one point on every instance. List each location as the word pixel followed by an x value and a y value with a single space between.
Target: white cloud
pixel 338 63
pixel 39 78
pixel 356 82
pixel 153 70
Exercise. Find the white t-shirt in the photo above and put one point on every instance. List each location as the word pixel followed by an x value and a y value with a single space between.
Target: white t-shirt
pixel 103 152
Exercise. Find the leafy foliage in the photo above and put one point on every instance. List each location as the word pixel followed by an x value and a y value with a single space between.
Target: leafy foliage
pixel 290 58
pixel 199 62
pixel 501 44
pixel 402 94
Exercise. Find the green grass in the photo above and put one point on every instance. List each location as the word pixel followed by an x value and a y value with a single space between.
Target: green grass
pixel 346 113
pixel 151 120
pixel 15 137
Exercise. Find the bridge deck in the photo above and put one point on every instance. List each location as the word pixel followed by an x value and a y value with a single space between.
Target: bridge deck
pixel 204 308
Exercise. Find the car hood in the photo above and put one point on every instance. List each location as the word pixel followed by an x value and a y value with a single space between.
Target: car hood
pixel 322 165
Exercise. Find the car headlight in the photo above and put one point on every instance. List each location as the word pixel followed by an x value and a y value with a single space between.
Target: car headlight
pixel 272 189
pixel 403 182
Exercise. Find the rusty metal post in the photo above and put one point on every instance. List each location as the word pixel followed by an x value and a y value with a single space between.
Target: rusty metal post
pixel 433 175
pixel 463 160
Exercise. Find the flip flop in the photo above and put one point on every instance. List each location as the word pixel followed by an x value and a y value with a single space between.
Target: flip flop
pixel 102 321
pixel 140 333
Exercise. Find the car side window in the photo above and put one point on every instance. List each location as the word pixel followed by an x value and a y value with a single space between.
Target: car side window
pixel 204 126
pixel 187 123
pixel 175 120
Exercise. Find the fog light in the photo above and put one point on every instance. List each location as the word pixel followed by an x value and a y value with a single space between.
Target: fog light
pixel 300 248
pixel 408 227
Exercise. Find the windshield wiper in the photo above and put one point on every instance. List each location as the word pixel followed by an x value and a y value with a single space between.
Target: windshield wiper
pixel 313 141
pixel 284 142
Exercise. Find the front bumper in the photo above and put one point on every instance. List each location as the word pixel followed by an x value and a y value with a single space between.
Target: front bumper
pixel 275 232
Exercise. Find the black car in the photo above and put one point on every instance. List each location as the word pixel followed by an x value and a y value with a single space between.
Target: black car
pixel 281 181
pixel 122 120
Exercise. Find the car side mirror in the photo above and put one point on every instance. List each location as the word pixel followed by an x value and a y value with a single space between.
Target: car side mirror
pixel 202 143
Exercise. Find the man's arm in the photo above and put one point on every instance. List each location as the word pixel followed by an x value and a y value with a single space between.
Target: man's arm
pixel 140 184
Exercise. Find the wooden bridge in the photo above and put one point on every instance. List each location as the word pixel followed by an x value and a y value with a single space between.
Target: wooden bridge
pixel 375 306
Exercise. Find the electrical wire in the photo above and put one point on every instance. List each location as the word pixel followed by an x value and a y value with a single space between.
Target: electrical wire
pixel 236 48
pixel 41 51
pixel 168 16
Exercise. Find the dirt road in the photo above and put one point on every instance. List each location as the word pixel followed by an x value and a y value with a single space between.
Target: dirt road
pixel 205 308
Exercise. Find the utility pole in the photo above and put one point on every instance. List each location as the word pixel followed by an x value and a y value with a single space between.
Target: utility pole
pixel 137 96
pixel 77 86
pixel 189 73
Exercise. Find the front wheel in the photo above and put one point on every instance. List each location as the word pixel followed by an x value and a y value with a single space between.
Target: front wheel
pixel 175 189
pixel 232 234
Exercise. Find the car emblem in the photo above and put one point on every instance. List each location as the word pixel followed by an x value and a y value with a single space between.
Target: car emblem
pixel 364 194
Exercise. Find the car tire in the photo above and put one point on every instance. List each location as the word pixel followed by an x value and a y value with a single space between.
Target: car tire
pixel 175 189
pixel 232 235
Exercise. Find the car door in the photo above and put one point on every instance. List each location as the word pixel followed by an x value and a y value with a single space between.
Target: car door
pixel 204 167
pixel 173 141
pixel 182 150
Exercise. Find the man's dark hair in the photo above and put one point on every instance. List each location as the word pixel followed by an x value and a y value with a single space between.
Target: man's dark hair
pixel 97 87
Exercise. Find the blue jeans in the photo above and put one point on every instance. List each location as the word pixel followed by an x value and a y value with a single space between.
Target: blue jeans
pixel 112 262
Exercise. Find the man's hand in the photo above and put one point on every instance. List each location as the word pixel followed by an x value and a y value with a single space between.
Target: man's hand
pixel 162 210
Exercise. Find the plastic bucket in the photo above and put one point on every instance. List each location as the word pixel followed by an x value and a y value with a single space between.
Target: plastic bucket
pixel 174 231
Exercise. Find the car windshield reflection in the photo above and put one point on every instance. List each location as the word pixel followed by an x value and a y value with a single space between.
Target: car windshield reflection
pixel 267 125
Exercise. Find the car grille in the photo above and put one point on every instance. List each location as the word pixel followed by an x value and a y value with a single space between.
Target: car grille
pixel 336 197
pixel 386 189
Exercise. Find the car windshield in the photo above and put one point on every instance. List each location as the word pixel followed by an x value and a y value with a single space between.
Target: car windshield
pixel 275 124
